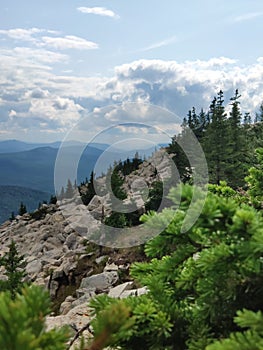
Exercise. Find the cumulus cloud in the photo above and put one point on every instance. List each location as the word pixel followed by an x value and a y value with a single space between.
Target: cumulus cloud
pixel 68 42
pixel 41 99
pixel 37 93
pixel 62 110
pixel 101 11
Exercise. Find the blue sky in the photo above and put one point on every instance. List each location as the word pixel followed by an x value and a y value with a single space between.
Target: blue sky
pixel 61 60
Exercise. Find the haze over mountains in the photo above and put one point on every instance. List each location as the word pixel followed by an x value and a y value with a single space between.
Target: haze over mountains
pixel 27 170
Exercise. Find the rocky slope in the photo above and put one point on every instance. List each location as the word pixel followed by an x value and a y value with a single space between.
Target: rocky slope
pixel 59 256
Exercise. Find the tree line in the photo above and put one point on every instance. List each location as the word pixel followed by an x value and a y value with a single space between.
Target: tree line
pixel 228 138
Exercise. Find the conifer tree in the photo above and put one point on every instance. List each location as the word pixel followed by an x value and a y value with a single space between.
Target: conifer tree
pixel 14 266
pixel 90 193
pixel 255 180
pixel 22 209
pixel 69 190
pixel 216 140
pixel 236 163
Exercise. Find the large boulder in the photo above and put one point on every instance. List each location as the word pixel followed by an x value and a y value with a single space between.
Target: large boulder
pixel 101 282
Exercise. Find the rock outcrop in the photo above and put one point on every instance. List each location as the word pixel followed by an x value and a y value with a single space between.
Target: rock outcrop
pixel 60 257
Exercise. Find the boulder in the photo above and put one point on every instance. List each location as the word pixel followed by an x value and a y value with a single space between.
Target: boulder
pixel 101 282
pixel 117 291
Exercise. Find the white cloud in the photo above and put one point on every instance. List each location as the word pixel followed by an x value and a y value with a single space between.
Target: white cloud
pixel 45 101
pixel 22 34
pixel 26 54
pixel 68 42
pixel 35 36
pixel 101 11
pixel 62 110
pixel 159 44
pixel 32 35
pixel 248 16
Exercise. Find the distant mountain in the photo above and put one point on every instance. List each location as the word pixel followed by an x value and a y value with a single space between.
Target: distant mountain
pixel 35 168
pixel 25 165
pixel 11 146
pixel 12 196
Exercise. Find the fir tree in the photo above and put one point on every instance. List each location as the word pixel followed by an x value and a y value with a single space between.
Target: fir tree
pixel 216 140
pixel 69 190
pixel 53 199
pixel 22 209
pixel 236 163
pixel 90 193
pixel 13 264
pixel 255 180
pixel 12 217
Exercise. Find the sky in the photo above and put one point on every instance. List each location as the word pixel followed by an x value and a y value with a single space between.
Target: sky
pixel 62 61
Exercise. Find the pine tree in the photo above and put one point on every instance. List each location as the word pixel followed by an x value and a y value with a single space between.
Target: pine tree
pixel 13 264
pixel 255 181
pixel 22 209
pixel 236 164
pixel 90 193
pixel 53 199
pixel 216 140
pixel 116 185
pixel 12 217
pixel 62 193
pixel 69 190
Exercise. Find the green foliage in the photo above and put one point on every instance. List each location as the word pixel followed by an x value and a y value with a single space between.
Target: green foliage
pixel 228 140
pixel 116 185
pixel 255 180
pixel 155 196
pixel 90 193
pixel 116 220
pixel 222 189
pixel 132 322
pixel 13 264
pixel 197 280
pixel 129 165
pixel 252 338
pixel 22 322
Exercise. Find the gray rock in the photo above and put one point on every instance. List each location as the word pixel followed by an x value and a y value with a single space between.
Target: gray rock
pixel 102 282
pixel 111 267
pixel 100 259
pixel 71 241
pixel 134 292
pixel 117 291
pixel 34 267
